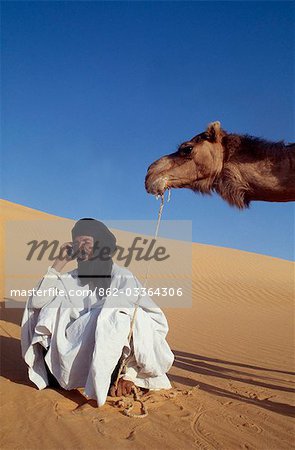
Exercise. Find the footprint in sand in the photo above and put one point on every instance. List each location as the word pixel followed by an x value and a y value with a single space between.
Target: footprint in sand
pixel 243 422
pixel 203 425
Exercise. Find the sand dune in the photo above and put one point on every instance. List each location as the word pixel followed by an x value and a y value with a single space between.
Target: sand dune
pixel 233 374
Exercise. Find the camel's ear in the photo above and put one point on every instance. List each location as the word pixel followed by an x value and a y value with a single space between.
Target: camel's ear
pixel 214 132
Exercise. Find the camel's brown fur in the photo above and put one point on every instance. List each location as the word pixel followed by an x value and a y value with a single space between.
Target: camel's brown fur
pixel 240 168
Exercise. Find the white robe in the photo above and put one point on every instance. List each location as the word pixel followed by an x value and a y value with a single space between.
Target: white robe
pixel 86 335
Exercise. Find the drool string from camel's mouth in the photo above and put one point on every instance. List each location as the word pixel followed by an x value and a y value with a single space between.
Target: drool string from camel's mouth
pixel 166 188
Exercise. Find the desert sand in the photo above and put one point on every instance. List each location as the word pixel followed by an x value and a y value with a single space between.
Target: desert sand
pixel 233 376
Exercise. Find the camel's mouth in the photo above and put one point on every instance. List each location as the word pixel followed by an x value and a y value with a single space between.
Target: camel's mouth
pixel 157 186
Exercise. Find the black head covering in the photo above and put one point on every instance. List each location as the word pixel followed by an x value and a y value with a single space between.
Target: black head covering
pixel 98 268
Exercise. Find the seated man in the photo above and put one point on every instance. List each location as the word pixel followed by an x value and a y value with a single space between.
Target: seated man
pixel 75 333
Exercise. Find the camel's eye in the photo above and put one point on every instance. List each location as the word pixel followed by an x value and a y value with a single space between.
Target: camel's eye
pixel 186 150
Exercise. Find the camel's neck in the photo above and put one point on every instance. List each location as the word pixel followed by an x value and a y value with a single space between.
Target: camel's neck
pixel 271 178
pixel 245 177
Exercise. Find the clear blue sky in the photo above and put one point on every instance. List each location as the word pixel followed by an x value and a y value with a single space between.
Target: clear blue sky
pixel 93 92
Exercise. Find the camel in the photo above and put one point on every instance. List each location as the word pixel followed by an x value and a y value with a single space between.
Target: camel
pixel 240 168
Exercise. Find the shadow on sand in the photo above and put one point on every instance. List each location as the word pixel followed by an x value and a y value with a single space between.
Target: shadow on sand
pixel 209 366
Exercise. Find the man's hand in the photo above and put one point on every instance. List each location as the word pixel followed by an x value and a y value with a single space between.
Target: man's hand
pixel 124 388
pixel 62 258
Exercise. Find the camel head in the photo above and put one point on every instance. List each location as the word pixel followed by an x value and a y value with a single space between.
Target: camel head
pixel 194 165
